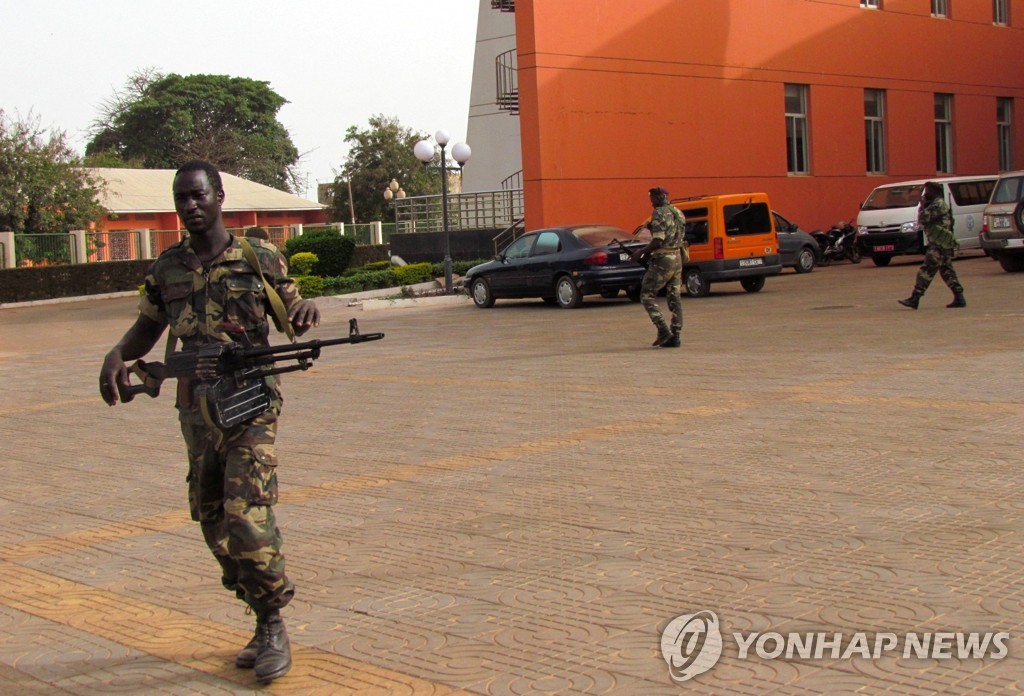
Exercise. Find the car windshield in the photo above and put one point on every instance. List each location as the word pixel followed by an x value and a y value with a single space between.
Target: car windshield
pixel 600 235
pixel 888 197
pixel 1009 190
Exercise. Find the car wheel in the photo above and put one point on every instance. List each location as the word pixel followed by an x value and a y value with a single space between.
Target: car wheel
pixel 609 294
pixel 804 260
pixel 1012 263
pixel 696 285
pixel 567 294
pixel 633 293
pixel 481 292
pixel 1018 216
pixel 753 284
pixel 881 260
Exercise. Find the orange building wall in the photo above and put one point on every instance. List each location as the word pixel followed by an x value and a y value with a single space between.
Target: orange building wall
pixel 616 97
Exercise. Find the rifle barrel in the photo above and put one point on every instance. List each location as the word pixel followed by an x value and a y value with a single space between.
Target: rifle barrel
pixel 307 345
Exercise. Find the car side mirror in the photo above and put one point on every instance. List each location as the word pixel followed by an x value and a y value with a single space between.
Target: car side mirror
pixel 499 257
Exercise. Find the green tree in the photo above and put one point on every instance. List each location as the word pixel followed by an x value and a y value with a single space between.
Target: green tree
pixel 231 122
pixel 42 185
pixel 377 155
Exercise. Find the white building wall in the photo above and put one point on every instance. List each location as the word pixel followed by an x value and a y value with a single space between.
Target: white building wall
pixel 493 134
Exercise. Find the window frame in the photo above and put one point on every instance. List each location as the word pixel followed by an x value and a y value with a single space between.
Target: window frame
pixel 943 133
pixel 1004 132
pixel 871 4
pixel 798 156
pixel 874 133
pixel 1001 13
pixel 940 8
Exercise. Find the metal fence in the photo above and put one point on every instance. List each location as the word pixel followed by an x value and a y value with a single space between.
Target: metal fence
pixel 44 249
pixel 466 211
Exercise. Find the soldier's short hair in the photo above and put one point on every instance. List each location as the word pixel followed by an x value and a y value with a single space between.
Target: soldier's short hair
pixel 658 191
pixel 200 166
pixel 257 233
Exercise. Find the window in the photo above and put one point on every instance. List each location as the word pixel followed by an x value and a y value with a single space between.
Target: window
pixel 940 8
pixel 874 130
pixel 877 4
pixel 547 243
pixel 749 218
pixel 520 248
pixel 943 133
pixel 972 192
pixel 1001 12
pixel 797 161
pixel 1004 128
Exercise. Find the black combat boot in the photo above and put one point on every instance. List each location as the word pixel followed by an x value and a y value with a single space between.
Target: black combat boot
pixel 911 301
pixel 663 335
pixel 274 653
pixel 958 300
pixel 246 659
pixel 673 341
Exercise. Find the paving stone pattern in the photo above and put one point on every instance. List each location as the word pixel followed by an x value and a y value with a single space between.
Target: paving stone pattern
pixel 519 500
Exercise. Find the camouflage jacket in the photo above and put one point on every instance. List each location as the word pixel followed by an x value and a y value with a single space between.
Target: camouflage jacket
pixel 195 302
pixel 937 223
pixel 669 225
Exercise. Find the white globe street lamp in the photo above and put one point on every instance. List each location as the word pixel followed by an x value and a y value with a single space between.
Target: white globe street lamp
pixel 461 152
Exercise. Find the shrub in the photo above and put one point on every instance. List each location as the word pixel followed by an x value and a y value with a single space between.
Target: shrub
pixel 333 250
pixel 310 286
pixel 414 273
pixel 302 263
pixel 458 267
pixel 376 266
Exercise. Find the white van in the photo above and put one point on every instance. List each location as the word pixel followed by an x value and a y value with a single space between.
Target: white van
pixel 887 221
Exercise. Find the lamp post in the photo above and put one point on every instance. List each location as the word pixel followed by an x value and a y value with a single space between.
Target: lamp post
pixel 394 191
pixel 461 152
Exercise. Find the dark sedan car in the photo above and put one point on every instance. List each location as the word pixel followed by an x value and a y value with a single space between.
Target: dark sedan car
pixel 559 265
pixel 798 249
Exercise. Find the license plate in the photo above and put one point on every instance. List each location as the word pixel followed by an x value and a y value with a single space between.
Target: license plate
pixel 751 262
pixel 624 257
pixel 1000 222
pixel 884 247
pixel 1014 243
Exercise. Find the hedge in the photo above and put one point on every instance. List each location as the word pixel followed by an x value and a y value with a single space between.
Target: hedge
pixel 333 250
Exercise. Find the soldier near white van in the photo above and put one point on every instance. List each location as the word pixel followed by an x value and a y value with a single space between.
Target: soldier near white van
pixel 937 223
pixel 664 267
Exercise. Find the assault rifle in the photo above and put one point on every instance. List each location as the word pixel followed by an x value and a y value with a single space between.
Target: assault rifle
pixel 231 374
pixel 629 252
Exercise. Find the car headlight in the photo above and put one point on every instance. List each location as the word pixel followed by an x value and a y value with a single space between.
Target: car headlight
pixel 908 227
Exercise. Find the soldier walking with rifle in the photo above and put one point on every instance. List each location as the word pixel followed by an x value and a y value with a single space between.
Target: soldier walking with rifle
pixel 662 257
pixel 218 295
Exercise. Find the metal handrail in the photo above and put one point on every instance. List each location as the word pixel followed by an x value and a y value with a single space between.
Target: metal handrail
pixel 506 67
pixel 510 231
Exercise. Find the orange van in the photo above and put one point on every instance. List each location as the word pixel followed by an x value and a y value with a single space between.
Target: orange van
pixel 731 237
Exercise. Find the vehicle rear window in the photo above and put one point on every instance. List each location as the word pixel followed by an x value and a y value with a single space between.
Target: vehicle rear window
pixel 888 197
pixel 1009 190
pixel 747 218
pixel 972 192
pixel 600 235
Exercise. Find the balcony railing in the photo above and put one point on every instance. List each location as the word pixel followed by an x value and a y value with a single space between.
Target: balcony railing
pixel 482 210
pixel 504 5
pixel 506 67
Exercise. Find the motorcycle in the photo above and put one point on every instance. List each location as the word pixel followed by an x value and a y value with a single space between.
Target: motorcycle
pixel 840 242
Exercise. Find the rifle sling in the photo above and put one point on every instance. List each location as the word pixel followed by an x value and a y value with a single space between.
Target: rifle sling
pixel 276 303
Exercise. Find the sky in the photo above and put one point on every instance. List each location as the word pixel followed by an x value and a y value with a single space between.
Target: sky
pixel 337 62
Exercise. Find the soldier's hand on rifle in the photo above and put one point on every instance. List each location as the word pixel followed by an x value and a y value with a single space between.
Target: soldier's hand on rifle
pixel 303 315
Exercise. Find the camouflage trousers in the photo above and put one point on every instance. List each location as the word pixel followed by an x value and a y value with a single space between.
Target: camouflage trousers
pixel 232 488
pixel 663 271
pixel 939 261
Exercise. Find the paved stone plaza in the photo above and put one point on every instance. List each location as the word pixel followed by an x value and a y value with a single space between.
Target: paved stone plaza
pixel 520 500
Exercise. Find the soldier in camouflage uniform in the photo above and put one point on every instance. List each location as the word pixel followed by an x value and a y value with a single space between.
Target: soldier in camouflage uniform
pixel 936 221
pixel 664 267
pixel 202 288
